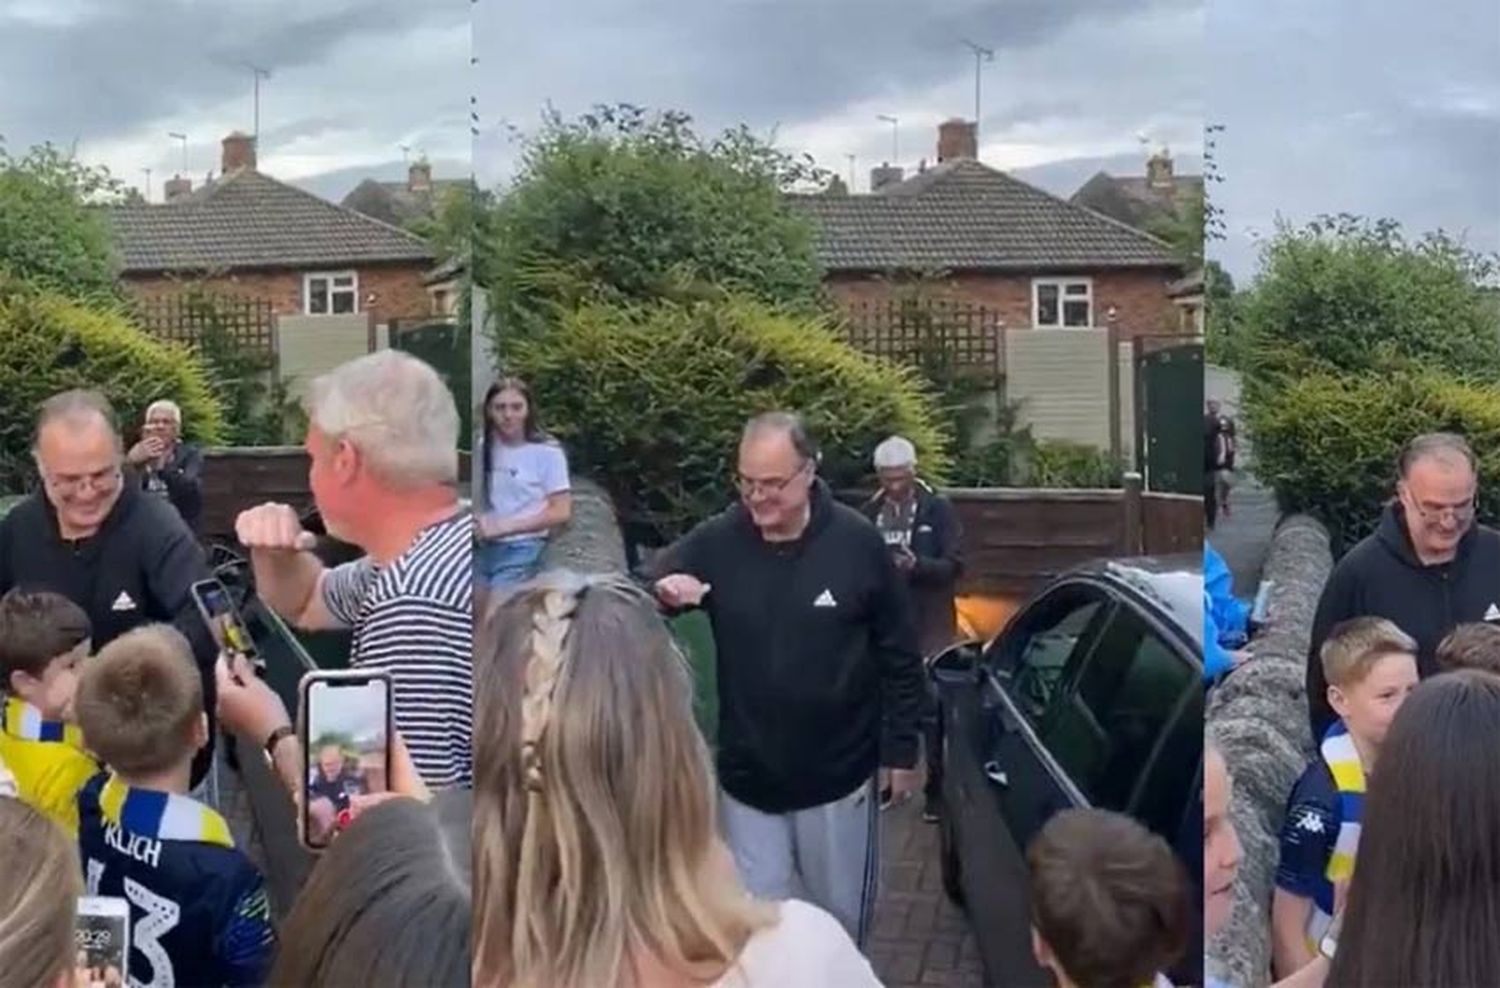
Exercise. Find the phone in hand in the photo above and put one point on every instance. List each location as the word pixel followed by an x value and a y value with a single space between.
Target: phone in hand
pixel 102 940
pixel 225 622
pixel 1330 942
pixel 346 729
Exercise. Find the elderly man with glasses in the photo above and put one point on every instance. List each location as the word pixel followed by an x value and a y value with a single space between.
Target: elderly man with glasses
pixel 1428 567
pixel 122 555
pixel 820 678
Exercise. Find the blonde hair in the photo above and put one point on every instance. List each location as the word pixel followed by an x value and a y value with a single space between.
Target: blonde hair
pixel 594 825
pixel 140 699
pixel 1354 646
pixel 38 899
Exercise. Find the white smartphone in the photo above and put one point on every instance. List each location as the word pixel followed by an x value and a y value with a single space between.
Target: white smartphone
pixel 103 941
pixel 345 724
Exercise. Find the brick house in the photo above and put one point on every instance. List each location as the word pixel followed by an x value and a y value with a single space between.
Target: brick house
pixel 1039 261
pixel 249 235
pixel 398 203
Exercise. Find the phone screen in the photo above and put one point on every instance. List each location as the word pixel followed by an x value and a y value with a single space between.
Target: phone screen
pixel 102 937
pixel 347 718
pixel 223 619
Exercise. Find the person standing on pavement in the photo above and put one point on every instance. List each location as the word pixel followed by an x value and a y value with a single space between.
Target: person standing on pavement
pixel 165 465
pixel 1428 567
pixel 819 674
pixel 123 556
pixel 383 443
pixel 925 538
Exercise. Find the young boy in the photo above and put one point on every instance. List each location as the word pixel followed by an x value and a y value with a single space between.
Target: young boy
pixel 43 638
pixel 199 914
pixel 1109 901
pixel 1473 645
pixel 1371 666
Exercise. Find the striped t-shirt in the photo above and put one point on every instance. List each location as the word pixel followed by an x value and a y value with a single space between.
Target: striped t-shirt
pixel 415 619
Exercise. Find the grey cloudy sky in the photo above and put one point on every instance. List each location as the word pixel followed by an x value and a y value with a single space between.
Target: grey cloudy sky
pixel 1378 109
pixel 1072 84
pixel 351 81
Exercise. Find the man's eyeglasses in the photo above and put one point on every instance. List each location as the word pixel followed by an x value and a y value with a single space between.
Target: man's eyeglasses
pixel 768 485
pixel 1460 513
pixel 101 480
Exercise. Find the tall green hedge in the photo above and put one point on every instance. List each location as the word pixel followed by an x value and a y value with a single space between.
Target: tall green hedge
pixel 1328 444
pixel 49 343
pixel 650 400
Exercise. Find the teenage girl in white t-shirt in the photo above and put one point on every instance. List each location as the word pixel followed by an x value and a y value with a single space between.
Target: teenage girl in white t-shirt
pixel 526 492
pixel 597 856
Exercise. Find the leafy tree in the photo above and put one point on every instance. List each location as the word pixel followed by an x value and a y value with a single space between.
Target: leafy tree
pixel 51 231
pixel 629 206
pixel 1348 295
pixel 1183 229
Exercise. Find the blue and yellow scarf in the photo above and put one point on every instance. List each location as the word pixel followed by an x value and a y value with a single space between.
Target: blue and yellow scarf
pixel 1339 754
pixel 24 722
pixel 161 815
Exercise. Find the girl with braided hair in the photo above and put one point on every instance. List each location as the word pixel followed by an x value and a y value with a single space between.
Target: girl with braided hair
pixel 596 852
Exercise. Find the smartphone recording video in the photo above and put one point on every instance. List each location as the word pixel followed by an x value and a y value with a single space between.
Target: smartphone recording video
pixel 102 936
pixel 346 744
pixel 224 620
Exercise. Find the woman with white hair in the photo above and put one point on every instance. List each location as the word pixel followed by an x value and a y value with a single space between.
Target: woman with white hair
pixel 167 466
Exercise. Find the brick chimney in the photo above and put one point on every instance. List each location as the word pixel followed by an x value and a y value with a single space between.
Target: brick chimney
pixel 239 152
pixel 177 187
pixel 886 174
pixel 1159 170
pixel 957 139
pixel 419 177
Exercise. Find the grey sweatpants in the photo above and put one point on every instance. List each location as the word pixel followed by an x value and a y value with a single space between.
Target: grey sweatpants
pixel 828 855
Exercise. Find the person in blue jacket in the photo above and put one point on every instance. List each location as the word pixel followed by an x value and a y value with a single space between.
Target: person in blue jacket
pixel 1226 618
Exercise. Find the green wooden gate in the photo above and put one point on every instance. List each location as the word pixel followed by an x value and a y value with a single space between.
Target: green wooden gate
pixel 1169 413
pixel 444 345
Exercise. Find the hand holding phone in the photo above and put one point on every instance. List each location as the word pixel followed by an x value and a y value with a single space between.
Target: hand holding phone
pixel 224 621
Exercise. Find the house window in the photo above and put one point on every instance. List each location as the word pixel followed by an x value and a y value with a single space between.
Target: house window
pixel 1062 303
pixel 330 293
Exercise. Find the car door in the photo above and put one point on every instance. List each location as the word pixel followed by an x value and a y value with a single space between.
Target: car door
pixel 1008 786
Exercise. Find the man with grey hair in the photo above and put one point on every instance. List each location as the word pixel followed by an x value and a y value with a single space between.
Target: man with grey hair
pixel 1428 567
pixel 166 466
pixel 126 558
pixel 925 538
pixel 383 441
pixel 820 679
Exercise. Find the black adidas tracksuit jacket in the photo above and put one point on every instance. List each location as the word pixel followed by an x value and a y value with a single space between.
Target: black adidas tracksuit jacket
pixel 1382 577
pixel 819 677
pixel 136 570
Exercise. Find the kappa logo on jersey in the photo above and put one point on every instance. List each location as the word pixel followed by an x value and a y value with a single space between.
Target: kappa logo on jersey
pixel 1310 822
pixel 1493 614
pixel 825 599
pixel 123 603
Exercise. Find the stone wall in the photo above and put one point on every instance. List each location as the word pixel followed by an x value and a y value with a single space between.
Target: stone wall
pixel 1258 717
pixel 591 542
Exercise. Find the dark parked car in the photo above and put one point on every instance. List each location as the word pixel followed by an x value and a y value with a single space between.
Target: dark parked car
pixel 1091 696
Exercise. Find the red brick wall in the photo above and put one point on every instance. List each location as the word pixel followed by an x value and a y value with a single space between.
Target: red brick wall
pixel 398 289
pixel 1139 297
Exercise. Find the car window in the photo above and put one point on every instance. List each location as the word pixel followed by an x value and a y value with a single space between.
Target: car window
pixel 1032 657
pixel 1132 686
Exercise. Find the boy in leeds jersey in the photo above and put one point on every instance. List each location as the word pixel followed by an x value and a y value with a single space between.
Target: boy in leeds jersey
pixel 44 637
pixel 198 908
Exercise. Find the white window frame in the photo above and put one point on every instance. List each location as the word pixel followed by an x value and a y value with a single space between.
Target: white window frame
pixel 329 276
pixel 1061 283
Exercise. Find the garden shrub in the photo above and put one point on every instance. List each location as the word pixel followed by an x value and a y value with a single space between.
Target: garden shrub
pixel 1055 463
pixel 650 400
pixel 49 344
pixel 1328 443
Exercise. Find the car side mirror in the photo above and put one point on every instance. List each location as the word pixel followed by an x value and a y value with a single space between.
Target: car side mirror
pixel 957 663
